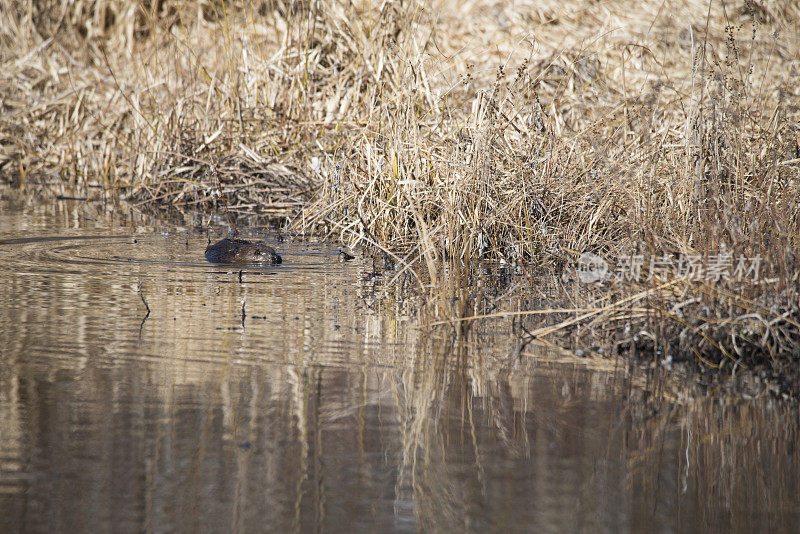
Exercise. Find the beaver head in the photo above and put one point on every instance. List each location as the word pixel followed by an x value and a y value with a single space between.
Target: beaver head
pixel 241 251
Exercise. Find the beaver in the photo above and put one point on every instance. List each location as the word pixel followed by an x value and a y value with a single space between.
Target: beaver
pixel 241 251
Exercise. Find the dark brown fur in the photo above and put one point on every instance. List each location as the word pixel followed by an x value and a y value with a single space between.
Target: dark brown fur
pixel 241 251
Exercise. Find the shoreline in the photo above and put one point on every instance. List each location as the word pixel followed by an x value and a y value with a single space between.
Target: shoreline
pixel 532 141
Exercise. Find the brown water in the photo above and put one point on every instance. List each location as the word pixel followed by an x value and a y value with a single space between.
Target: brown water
pixel 292 400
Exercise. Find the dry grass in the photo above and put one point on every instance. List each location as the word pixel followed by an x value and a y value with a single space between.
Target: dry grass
pixel 528 132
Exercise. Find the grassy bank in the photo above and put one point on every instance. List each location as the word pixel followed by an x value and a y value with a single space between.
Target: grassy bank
pixel 528 133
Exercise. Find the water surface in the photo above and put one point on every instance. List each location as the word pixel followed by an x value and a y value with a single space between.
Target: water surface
pixel 143 389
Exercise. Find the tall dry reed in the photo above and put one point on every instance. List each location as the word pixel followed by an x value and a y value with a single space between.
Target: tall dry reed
pixel 445 133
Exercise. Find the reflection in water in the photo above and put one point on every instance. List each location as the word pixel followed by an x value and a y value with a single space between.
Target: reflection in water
pixel 288 400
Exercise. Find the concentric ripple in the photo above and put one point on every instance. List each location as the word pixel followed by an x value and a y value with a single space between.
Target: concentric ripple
pixel 168 250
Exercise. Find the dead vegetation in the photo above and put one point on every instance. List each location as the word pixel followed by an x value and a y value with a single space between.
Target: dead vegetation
pixel 525 132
